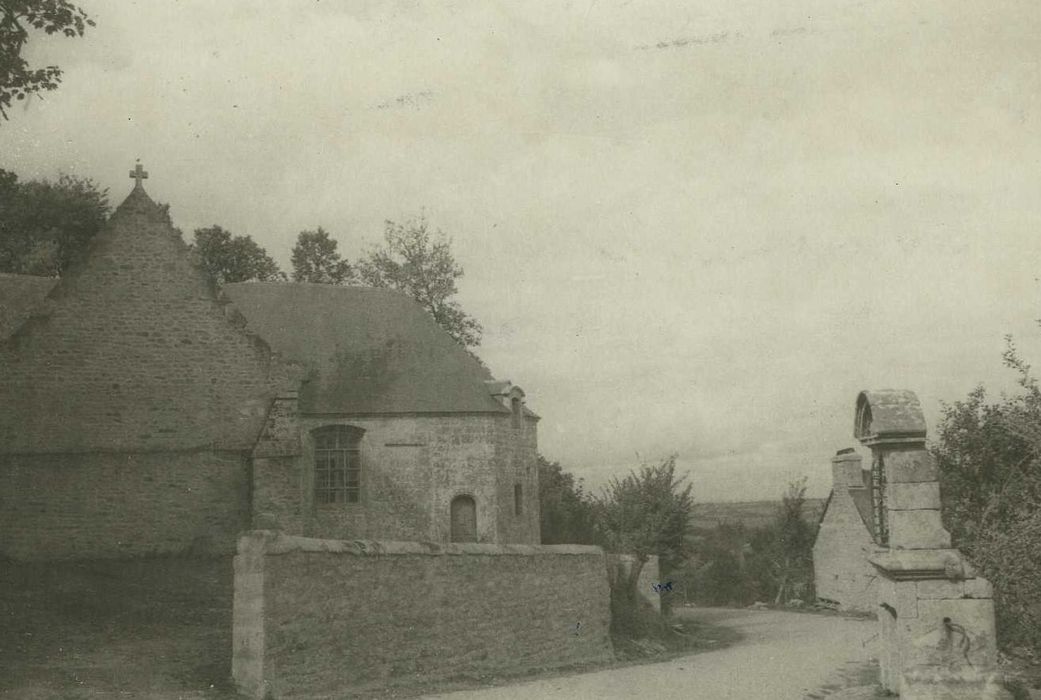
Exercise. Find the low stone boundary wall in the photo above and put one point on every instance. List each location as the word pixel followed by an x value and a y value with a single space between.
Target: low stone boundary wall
pixel 321 617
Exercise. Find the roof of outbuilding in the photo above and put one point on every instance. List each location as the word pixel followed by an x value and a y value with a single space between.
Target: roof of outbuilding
pixel 365 350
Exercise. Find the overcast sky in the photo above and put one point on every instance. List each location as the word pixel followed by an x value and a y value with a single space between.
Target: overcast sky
pixel 691 227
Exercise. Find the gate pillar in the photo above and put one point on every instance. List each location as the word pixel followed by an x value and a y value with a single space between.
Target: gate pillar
pixel 936 615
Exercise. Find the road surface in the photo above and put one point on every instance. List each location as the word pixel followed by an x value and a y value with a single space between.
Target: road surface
pixel 782 656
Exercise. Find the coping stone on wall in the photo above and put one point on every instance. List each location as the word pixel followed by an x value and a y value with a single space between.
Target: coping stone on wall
pixel 272 542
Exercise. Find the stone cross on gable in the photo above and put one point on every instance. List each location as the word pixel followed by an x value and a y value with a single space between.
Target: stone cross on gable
pixel 138 174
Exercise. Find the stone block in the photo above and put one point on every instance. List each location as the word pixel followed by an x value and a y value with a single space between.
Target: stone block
pixel 970 641
pixel 978 588
pixel 940 589
pixel 901 596
pixel 910 466
pixel 943 684
pixel 914 496
pixel 917 529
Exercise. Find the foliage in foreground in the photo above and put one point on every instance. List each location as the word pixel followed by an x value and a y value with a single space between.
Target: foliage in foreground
pixel 17 17
pixel 989 455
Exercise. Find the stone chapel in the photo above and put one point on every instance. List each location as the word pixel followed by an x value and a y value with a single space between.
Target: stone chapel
pixel 145 410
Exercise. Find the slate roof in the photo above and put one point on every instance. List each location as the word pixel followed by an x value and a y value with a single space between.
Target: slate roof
pixel 364 350
pixel 862 499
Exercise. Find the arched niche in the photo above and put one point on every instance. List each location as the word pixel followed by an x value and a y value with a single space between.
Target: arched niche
pixel 888 416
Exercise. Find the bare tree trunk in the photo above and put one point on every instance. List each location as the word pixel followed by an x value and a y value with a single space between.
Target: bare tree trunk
pixel 784 583
pixel 634 575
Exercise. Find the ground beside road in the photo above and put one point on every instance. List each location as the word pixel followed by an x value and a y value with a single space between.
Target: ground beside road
pixel 782 656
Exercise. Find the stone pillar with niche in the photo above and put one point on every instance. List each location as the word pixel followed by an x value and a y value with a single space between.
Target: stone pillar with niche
pixel 936 615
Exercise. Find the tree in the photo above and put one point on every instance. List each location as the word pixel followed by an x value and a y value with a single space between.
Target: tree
pixel 647 512
pixel 787 547
pixel 718 569
pixel 566 510
pixel 46 226
pixel 234 258
pixel 17 80
pixel 420 263
pixel 315 259
pixel 989 457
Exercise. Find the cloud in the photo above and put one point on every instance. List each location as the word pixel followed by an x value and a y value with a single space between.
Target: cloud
pixel 701 251
pixel 412 101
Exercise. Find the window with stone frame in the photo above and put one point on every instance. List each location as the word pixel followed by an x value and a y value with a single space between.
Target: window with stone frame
pixel 337 464
pixel 518 499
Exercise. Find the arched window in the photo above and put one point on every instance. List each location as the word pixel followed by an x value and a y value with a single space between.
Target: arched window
pixel 337 464
pixel 464 519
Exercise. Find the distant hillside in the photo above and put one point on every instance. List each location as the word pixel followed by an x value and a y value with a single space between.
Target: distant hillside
pixel 749 513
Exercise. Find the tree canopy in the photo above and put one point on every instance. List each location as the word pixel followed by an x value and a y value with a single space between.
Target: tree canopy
pixel 316 259
pixel 17 80
pixel 231 258
pixel 46 226
pixel 989 456
pixel 566 509
pixel 783 557
pixel 419 262
pixel 647 512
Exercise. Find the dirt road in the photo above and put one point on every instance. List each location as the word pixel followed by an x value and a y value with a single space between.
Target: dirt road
pixel 783 656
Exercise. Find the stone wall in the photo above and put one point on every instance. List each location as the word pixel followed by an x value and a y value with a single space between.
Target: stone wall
pixel 101 505
pixel 412 468
pixel 323 617
pixel 133 351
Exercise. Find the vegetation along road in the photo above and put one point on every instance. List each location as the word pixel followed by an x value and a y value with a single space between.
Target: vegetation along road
pixel 782 656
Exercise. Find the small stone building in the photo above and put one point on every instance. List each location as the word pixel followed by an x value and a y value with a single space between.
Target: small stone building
pixel 145 410
pixel 842 573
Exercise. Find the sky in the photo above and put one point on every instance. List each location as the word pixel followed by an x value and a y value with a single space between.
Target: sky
pixel 696 228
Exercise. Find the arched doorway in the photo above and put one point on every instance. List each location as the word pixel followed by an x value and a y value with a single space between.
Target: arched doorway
pixel 464 519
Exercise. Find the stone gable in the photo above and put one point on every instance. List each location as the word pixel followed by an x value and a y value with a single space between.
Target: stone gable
pixel 134 350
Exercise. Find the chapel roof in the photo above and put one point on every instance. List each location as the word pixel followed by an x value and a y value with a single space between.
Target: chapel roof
pixel 366 350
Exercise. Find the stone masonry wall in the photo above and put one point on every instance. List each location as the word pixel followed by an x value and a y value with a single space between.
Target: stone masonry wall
pixel 842 572
pixel 317 618
pixel 412 468
pixel 70 506
pixel 134 351
pixel 516 450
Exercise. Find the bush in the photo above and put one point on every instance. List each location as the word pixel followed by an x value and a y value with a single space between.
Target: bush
pixel 989 455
